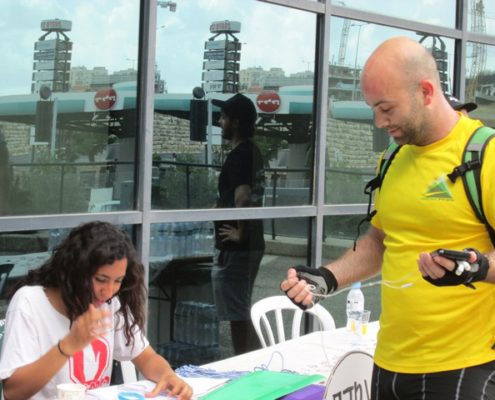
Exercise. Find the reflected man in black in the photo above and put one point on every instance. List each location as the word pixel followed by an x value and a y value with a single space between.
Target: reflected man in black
pixel 458 105
pixel 239 244
pixel 4 176
pixel 112 157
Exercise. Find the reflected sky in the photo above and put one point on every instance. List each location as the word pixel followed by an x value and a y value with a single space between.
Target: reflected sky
pixel 105 33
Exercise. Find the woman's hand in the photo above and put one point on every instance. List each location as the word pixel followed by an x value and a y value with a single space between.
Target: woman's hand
pixel 87 327
pixel 172 385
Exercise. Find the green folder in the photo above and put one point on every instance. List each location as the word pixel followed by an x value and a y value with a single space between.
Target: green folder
pixel 262 385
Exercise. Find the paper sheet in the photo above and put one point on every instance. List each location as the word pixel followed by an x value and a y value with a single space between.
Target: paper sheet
pixel 201 386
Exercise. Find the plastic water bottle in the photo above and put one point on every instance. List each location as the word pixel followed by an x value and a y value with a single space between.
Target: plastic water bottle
pixel 179 321
pixel 355 304
pixel 166 232
pixel 196 238
pixel 174 240
pixel 54 238
pixel 188 239
pixel 210 236
pixel 154 240
pixel 180 235
pixel 160 240
pixel 212 331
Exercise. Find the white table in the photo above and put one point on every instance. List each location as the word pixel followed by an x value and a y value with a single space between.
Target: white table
pixel 23 263
pixel 314 353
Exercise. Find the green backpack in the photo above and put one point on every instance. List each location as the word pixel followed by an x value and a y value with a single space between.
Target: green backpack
pixel 469 171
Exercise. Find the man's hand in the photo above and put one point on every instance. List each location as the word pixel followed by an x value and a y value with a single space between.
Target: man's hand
pixel 304 284
pixel 229 233
pixel 443 271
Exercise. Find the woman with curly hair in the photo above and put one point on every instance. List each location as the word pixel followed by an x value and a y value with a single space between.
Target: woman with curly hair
pixel 84 307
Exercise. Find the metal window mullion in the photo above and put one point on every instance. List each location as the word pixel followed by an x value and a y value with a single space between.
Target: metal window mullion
pixel 321 101
pixel 460 53
pixel 53 221
pixel 145 109
pixel 394 22
pixel 304 5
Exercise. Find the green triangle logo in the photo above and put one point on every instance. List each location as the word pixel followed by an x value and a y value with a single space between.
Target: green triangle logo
pixel 438 190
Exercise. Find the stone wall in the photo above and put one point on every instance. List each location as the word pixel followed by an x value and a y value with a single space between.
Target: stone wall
pixel 350 145
pixel 171 135
pixel 17 138
pixel 350 162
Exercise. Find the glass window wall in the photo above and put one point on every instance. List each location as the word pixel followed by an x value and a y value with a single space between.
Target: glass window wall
pixel 481 16
pixel 339 235
pixel 187 283
pixel 23 251
pixel 68 125
pixel 480 81
pixel 441 13
pixel 206 53
pixel 353 142
pixel 70 139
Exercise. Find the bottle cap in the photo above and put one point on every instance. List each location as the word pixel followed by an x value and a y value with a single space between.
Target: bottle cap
pixel 356 285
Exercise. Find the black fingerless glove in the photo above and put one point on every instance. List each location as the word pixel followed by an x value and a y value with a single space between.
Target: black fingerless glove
pixel 322 280
pixel 477 272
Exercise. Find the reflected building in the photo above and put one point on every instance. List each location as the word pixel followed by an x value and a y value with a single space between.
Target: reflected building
pixel 256 79
pixel 52 57
pixel 222 58
pixel 342 83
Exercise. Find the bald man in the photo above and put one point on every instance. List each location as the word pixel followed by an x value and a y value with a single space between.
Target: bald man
pixel 437 328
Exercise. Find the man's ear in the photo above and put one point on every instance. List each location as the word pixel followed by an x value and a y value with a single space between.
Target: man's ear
pixel 427 91
pixel 235 124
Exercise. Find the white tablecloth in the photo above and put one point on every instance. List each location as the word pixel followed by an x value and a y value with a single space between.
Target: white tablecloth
pixel 314 353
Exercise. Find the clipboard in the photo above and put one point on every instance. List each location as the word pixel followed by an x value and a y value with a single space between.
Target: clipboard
pixel 262 385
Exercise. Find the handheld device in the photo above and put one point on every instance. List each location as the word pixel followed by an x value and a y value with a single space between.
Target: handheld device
pixel 460 257
pixel 454 255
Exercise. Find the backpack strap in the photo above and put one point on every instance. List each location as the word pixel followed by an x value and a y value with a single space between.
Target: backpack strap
pixel 375 183
pixel 470 172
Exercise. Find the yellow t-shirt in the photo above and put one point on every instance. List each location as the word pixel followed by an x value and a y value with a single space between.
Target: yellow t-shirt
pixel 425 328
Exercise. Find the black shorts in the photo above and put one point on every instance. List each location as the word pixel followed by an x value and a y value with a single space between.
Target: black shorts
pixel 473 383
pixel 232 278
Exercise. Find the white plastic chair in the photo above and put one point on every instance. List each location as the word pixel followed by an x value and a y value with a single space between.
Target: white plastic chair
pixel 350 377
pixel 100 200
pixel 278 304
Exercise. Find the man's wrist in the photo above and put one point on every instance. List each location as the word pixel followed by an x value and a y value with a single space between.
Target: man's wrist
pixel 330 279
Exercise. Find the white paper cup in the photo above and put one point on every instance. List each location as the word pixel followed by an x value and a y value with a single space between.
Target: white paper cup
pixel 71 391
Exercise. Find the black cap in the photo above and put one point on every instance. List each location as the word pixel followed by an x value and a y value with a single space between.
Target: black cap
pixel 457 105
pixel 238 107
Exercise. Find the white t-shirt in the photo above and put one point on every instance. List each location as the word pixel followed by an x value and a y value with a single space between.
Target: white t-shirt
pixel 33 327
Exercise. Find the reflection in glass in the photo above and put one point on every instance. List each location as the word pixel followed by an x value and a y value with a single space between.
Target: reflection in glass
pixel 340 232
pixel 481 16
pixel 353 142
pixel 436 13
pixel 180 285
pixel 23 251
pixel 227 52
pixel 480 81
pixel 67 109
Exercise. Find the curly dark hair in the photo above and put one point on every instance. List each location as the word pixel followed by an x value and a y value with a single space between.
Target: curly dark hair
pixel 75 261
